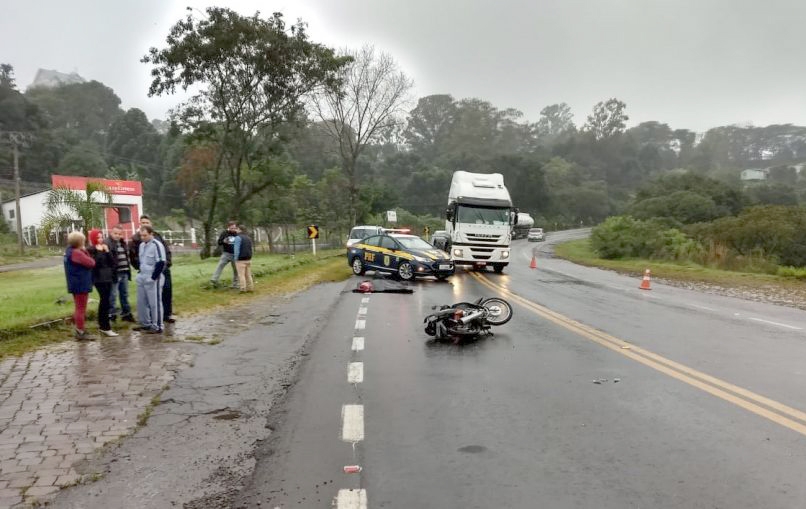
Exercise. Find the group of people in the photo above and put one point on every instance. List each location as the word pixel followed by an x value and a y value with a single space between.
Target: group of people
pixel 236 250
pixel 107 264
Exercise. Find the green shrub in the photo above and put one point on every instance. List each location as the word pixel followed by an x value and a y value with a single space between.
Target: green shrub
pixel 793 272
pixel 627 237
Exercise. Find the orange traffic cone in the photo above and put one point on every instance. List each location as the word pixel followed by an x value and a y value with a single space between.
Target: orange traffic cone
pixel 645 282
pixel 533 265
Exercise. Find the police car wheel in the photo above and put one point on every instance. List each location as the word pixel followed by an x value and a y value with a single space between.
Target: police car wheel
pixel 405 271
pixel 358 266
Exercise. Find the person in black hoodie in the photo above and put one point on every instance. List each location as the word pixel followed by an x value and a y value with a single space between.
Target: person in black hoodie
pixel 226 242
pixel 102 276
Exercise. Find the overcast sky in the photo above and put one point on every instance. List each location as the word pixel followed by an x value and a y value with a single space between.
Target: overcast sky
pixel 690 63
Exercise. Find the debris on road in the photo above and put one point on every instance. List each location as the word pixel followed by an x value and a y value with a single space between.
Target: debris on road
pixel 352 469
pixel 382 286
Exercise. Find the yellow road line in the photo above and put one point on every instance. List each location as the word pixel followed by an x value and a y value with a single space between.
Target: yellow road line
pixel 724 390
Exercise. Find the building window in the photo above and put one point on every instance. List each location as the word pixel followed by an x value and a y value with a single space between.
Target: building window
pixel 11 214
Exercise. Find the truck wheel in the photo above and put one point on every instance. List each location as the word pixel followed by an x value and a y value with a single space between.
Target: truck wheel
pixel 498 268
pixel 358 267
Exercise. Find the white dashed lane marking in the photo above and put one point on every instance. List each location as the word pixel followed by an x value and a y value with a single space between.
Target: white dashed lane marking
pixel 358 344
pixel 351 499
pixel 355 372
pixel 775 323
pixel 352 427
pixel 360 324
pixel 362 311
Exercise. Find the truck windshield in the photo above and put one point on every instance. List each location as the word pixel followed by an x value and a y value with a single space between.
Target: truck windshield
pixel 482 215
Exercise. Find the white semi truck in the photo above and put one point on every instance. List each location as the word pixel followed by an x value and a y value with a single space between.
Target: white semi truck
pixel 479 220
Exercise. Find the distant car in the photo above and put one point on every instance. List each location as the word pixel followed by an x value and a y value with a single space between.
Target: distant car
pixel 440 239
pixel 405 256
pixel 359 233
pixel 535 235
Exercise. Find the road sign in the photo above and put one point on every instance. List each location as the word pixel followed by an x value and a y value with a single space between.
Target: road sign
pixel 313 232
pixel 391 216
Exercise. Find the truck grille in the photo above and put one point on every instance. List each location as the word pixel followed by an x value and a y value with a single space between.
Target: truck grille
pixel 479 237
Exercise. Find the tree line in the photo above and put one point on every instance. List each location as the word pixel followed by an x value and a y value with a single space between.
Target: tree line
pixel 284 130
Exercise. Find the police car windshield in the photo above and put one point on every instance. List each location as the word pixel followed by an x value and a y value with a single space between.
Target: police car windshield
pixel 482 215
pixel 414 243
pixel 362 233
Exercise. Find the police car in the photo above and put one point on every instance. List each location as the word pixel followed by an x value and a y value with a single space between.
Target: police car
pixel 405 256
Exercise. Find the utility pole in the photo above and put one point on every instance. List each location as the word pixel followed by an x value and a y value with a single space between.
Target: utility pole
pixel 15 140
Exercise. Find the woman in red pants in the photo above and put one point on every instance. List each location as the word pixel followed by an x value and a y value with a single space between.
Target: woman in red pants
pixel 78 266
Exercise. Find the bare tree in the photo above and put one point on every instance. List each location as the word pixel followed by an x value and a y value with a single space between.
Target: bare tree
pixel 369 105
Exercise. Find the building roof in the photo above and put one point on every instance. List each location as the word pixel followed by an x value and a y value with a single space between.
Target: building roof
pixel 26 195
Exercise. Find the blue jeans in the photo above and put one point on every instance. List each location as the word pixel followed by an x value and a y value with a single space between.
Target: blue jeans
pixel 226 259
pixel 120 286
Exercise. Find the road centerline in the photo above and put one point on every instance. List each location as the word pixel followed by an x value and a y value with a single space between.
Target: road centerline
pixel 739 396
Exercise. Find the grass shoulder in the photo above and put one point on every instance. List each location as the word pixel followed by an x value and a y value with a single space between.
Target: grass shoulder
pixel 580 251
pixel 33 303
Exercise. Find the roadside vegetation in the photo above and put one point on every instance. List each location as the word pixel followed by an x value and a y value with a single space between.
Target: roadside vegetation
pixel 688 226
pixel 35 297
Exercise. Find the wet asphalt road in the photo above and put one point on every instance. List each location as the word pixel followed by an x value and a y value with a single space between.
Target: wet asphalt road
pixel 696 405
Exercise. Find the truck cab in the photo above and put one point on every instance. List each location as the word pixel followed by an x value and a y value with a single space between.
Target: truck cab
pixel 479 220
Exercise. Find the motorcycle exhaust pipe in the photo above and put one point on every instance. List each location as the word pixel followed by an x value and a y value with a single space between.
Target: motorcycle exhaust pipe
pixel 469 318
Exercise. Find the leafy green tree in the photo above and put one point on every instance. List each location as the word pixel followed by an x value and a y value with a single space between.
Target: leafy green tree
pixel 683 206
pixel 783 175
pixel 555 119
pixel 82 111
pixel 85 159
pixel 65 207
pixel 608 119
pixel 728 200
pixel 252 74
pixel 429 123
pixel 773 194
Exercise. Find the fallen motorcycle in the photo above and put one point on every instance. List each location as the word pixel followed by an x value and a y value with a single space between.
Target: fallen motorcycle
pixel 466 320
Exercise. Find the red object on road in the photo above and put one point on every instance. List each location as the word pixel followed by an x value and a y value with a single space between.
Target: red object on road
pixel 533 265
pixel 645 285
pixel 352 469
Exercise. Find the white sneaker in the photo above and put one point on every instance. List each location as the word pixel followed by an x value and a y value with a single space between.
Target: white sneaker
pixel 110 333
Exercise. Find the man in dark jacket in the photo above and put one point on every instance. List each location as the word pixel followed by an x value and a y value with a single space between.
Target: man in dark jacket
pixel 167 289
pixel 242 253
pixel 123 274
pixel 226 241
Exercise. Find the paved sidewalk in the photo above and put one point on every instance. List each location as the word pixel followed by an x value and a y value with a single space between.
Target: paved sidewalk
pixel 60 405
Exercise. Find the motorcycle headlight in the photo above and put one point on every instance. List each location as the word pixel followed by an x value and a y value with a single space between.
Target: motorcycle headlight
pixel 505 254
pixel 458 252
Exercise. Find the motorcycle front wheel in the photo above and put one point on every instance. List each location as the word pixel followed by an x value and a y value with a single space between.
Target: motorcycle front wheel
pixel 499 311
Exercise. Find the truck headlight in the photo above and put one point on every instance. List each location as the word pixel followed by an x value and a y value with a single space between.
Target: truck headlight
pixel 458 252
pixel 504 254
